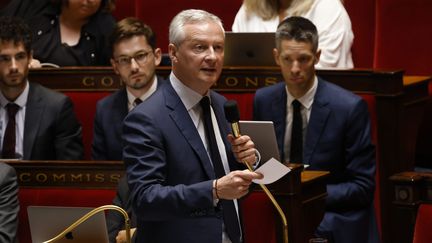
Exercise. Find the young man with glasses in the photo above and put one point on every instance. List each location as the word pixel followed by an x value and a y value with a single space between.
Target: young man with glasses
pixel 134 58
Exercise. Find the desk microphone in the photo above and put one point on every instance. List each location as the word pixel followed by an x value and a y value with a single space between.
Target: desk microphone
pixel 233 117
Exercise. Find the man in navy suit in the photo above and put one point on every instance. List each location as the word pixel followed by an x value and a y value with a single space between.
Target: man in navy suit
pixel 335 128
pixel 135 58
pixel 183 176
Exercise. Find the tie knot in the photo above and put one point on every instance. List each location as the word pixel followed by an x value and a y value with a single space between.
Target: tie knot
pixel 205 103
pixel 12 109
pixel 137 101
pixel 296 104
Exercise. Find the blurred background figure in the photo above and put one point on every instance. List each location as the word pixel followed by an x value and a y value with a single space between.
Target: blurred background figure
pixel 9 205
pixel 73 33
pixel 329 16
pixel 22 8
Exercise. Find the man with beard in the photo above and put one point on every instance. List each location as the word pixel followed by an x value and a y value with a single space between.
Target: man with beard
pixel 134 58
pixel 35 123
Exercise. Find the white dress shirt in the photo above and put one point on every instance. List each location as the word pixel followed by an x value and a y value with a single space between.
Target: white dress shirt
pixel 131 97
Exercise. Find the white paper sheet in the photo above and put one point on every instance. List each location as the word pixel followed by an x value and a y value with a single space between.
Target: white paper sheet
pixel 272 170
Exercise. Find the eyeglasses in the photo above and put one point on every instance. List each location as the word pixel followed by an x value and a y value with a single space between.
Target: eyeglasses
pixel 139 58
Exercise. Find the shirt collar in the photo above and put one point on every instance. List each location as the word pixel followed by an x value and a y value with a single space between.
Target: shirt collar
pixel 21 100
pixel 143 97
pixel 189 97
pixel 307 99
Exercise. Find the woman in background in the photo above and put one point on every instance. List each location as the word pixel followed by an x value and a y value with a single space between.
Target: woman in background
pixel 329 16
pixel 73 33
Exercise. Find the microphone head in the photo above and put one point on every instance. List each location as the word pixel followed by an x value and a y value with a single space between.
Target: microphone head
pixel 231 111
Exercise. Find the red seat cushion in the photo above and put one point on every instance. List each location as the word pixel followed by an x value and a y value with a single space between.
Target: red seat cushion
pixel 85 109
pixel 423 225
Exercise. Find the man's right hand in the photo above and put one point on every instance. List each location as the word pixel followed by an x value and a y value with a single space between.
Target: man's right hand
pixel 234 185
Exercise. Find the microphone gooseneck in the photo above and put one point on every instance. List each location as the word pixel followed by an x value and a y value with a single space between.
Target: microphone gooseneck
pixel 233 117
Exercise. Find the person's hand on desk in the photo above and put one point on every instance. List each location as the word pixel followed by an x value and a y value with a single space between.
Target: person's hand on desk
pixel 121 236
pixel 35 63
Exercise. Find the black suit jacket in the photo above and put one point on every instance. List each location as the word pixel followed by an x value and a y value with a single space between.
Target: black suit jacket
pixel 51 129
pixel 9 205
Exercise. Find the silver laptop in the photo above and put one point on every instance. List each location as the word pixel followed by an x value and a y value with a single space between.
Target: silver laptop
pixel 249 49
pixel 47 222
pixel 263 135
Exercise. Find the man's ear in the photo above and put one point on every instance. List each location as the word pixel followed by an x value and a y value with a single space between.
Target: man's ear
pixel 317 56
pixel 114 66
pixel 172 51
pixel 158 56
pixel 276 56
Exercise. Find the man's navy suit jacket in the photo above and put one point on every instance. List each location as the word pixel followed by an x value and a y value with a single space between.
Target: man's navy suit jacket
pixel 107 127
pixel 169 171
pixel 338 139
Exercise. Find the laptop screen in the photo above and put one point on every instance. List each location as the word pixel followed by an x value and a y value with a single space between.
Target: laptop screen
pixel 46 222
pixel 249 49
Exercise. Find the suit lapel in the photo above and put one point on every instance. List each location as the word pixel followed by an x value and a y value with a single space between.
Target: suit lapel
pixel 279 118
pixel 317 122
pixel 33 114
pixel 120 111
pixel 181 118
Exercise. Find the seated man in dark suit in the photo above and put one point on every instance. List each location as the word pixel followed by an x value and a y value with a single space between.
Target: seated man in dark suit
pixel 135 57
pixel 36 123
pixel 323 126
pixel 9 205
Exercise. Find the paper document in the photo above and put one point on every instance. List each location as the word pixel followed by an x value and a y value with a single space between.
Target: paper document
pixel 272 170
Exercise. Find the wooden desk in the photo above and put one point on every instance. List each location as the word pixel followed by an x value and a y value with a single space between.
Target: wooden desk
pixel 398 103
pixel 301 199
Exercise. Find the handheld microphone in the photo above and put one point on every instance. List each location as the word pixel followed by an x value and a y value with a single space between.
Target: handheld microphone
pixel 232 115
